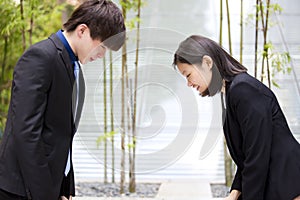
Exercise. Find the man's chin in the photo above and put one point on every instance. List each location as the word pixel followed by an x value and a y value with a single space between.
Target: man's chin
pixel 88 60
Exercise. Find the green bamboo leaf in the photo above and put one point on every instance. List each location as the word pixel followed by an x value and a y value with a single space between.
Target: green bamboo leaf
pixel 277 8
pixel 100 139
pixel 130 145
pixel 275 84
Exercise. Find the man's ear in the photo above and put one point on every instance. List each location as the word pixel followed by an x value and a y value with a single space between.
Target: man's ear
pixel 207 60
pixel 80 29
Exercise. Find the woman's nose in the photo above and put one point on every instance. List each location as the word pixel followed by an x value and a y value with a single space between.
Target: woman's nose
pixel 189 84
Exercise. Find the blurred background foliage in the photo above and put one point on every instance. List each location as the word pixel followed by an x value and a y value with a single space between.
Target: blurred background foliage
pixel 24 22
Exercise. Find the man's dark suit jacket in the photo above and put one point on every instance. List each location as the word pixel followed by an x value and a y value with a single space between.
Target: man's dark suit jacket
pixel 40 125
pixel 260 142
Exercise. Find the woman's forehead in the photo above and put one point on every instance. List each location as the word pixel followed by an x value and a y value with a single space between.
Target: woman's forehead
pixel 185 68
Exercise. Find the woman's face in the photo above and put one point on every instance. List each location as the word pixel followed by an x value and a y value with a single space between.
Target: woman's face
pixel 198 76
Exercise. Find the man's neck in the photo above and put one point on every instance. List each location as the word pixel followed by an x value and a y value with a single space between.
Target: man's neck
pixel 69 38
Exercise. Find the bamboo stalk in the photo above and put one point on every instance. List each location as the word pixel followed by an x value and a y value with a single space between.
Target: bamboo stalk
pixel 124 63
pixel 242 32
pixel 265 38
pixel 23 28
pixel 229 29
pixel 31 22
pixel 256 39
pixel 105 119
pixel 112 119
pixel 227 159
pixel 4 59
pixel 221 22
pixel 132 184
pixel 264 34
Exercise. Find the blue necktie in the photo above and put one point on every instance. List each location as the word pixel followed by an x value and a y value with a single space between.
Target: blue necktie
pixel 76 74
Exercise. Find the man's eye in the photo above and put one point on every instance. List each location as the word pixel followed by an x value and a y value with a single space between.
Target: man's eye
pixel 188 75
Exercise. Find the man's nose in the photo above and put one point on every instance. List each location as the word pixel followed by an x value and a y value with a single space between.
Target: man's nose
pixel 101 54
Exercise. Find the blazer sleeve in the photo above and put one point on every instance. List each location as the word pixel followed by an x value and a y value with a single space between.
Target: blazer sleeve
pixel 67 187
pixel 31 82
pixel 237 181
pixel 254 116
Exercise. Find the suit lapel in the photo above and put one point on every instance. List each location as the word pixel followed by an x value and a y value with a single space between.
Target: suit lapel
pixel 69 69
pixel 65 57
pixel 226 123
pixel 230 125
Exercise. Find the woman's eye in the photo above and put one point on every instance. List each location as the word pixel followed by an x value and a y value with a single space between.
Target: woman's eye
pixel 188 76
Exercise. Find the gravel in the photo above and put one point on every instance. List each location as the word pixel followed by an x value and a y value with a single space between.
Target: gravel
pixel 97 189
pixel 143 190
pixel 219 190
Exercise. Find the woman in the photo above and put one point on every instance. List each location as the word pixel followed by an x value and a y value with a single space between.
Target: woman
pixel 258 137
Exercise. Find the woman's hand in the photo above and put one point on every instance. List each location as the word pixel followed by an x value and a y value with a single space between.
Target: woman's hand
pixel 64 198
pixel 297 198
pixel 234 195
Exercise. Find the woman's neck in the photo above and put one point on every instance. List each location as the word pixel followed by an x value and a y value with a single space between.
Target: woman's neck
pixel 223 89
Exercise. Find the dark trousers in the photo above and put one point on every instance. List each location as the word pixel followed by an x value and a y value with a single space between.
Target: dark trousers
pixel 9 196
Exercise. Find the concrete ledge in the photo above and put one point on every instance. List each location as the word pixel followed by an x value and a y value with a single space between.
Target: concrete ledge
pixel 131 198
pixel 185 189
pixel 111 198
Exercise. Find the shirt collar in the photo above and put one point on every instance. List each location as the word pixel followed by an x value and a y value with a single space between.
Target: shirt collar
pixel 62 38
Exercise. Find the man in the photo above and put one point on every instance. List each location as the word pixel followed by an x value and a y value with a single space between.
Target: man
pixel 36 149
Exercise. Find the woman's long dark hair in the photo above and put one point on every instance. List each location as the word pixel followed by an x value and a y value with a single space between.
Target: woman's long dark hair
pixel 192 50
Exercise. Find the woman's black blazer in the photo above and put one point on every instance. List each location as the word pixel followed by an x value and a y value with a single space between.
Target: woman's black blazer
pixel 260 142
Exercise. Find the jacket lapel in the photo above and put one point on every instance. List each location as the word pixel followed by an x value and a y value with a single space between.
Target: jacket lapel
pixel 69 69
pixel 65 57
pixel 230 124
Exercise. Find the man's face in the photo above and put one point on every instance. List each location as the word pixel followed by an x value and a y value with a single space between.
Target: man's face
pixel 89 49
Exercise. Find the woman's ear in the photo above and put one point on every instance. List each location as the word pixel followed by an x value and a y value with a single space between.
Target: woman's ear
pixel 207 61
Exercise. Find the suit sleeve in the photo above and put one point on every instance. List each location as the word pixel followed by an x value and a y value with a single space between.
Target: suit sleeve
pixel 237 181
pixel 253 113
pixel 32 80
pixel 67 187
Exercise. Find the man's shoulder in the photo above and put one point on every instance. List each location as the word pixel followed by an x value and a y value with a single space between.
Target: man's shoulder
pixel 45 49
pixel 45 44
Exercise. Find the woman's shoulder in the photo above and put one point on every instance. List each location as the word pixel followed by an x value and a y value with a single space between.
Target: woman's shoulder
pixel 246 80
pixel 245 84
pixel 245 91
